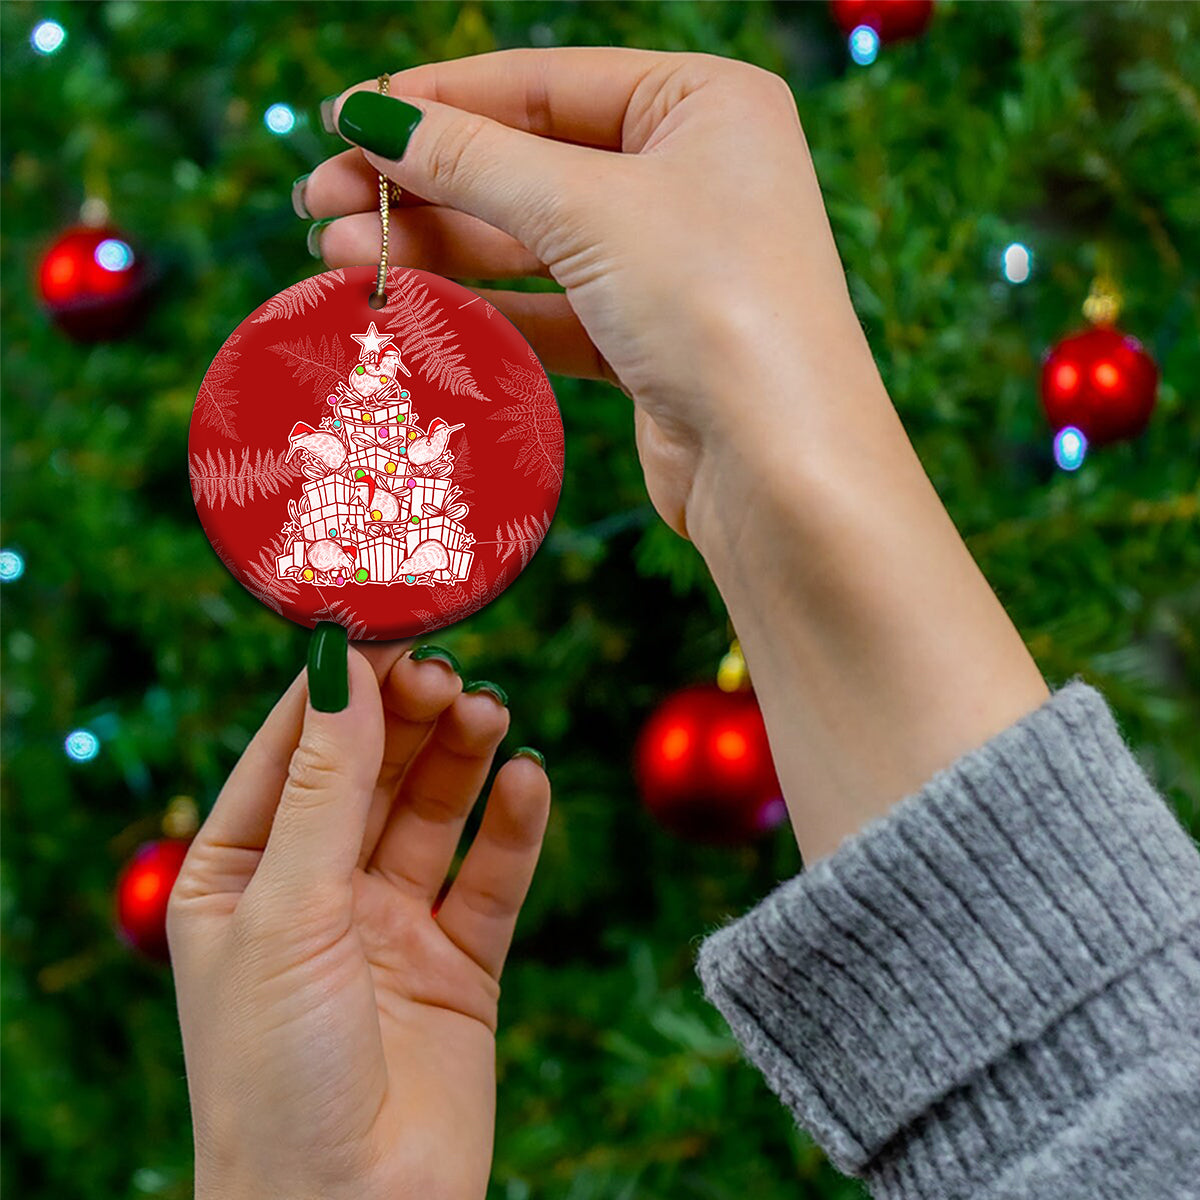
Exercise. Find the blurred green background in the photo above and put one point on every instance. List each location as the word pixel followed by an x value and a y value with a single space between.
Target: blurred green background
pixel 1072 128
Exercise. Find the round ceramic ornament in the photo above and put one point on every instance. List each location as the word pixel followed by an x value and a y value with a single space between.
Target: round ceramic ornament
pixel 392 469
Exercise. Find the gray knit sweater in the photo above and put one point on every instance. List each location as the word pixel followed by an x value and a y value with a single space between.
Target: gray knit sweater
pixel 994 990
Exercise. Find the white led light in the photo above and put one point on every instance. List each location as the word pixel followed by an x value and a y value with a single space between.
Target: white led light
pixel 1070 447
pixel 864 45
pixel 114 255
pixel 1017 263
pixel 82 745
pixel 279 119
pixel 47 37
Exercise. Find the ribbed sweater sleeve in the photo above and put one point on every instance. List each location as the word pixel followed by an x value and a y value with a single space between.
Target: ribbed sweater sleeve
pixel 993 990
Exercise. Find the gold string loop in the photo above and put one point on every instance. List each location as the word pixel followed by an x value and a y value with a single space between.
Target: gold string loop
pixel 387 191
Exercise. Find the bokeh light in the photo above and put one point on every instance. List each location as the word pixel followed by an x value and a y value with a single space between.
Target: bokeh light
pixel 47 37
pixel 864 45
pixel 1018 262
pixel 12 566
pixel 82 745
pixel 114 255
pixel 280 119
pixel 1070 448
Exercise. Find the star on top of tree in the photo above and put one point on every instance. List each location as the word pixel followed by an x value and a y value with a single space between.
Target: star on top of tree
pixel 371 342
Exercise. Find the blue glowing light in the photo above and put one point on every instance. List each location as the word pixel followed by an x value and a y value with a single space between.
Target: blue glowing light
pixel 279 119
pixel 1018 262
pixel 12 566
pixel 47 37
pixel 82 745
pixel 864 45
pixel 114 255
pixel 1070 447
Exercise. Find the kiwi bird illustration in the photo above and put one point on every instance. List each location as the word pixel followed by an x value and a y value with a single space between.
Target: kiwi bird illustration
pixel 328 555
pixel 326 450
pixel 427 449
pixel 382 504
pixel 428 556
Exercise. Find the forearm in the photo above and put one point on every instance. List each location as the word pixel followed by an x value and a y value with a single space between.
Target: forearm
pixel 877 649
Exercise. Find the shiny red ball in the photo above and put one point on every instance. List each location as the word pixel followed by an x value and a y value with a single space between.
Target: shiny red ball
pixel 93 283
pixel 893 20
pixel 143 890
pixel 1101 381
pixel 704 769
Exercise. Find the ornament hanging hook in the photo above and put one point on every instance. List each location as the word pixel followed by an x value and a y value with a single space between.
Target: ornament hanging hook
pixel 387 192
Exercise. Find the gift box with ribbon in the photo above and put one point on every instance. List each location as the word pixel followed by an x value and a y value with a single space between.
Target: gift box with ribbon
pixel 459 568
pixel 330 508
pixel 293 560
pixel 437 518
pixel 385 462
pixel 380 557
pixel 369 422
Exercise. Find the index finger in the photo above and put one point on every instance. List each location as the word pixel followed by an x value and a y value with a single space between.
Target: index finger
pixel 569 93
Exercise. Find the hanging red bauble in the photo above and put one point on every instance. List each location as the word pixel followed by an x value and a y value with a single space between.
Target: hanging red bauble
pixel 93 283
pixel 1101 381
pixel 893 20
pixel 142 893
pixel 704 767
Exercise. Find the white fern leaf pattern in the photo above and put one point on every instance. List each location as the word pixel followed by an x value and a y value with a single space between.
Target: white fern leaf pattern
pixel 216 401
pixel 519 537
pixel 323 363
pixel 300 297
pixel 262 581
pixel 536 423
pixel 222 478
pixel 341 613
pixel 418 320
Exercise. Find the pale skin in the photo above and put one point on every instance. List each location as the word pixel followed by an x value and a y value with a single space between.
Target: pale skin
pixel 339 1038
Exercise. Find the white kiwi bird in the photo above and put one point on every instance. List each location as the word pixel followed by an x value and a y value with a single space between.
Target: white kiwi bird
pixel 325 449
pixel 428 556
pixel 382 504
pixel 427 449
pixel 328 555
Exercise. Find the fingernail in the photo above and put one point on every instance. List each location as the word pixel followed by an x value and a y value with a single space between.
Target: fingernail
pixel 530 752
pixel 327 114
pixel 439 654
pixel 298 205
pixel 328 668
pixel 313 240
pixel 378 123
pixel 485 685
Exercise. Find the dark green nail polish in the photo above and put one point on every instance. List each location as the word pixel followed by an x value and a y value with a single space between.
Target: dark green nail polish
pixel 378 123
pixel 485 685
pixel 298 205
pixel 530 752
pixel 327 114
pixel 313 241
pixel 421 653
pixel 328 668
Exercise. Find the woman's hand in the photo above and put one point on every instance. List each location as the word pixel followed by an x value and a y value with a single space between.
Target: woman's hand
pixel 699 248
pixel 339 1038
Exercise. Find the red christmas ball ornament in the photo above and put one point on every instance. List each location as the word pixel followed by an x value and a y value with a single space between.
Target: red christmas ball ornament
pixel 1101 381
pixel 142 892
pixel 704 769
pixel 892 20
pixel 93 283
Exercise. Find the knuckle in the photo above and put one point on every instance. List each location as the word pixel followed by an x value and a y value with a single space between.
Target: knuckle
pixel 451 154
pixel 312 774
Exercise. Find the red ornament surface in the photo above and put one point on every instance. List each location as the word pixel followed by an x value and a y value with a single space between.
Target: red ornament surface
pixel 1101 381
pixel 893 20
pixel 704 769
pixel 143 889
pixel 392 470
pixel 92 283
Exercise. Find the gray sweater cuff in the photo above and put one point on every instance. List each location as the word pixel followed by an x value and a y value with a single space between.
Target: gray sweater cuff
pixel 980 949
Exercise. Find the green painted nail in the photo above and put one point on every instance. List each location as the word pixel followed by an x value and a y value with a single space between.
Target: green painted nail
pixel 485 685
pixel 438 653
pixel 327 114
pixel 313 241
pixel 328 668
pixel 378 123
pixel 298 205
pixel 530 752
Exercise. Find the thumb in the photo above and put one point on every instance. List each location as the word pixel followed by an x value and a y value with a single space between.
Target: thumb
pixel 513 180
pixel 317 834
